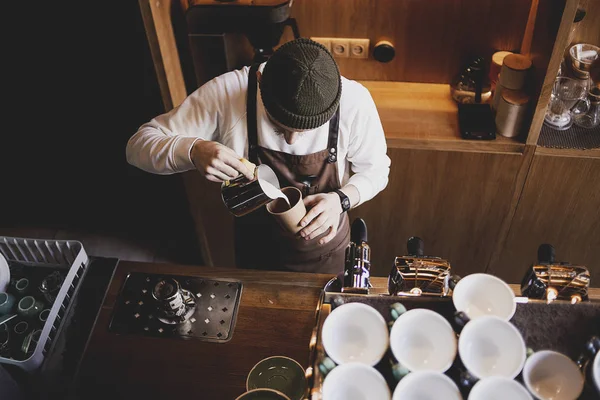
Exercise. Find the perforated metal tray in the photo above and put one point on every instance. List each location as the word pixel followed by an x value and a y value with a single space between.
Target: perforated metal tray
pixel 213 320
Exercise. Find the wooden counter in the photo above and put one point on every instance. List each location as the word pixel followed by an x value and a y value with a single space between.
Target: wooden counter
pixel 276 317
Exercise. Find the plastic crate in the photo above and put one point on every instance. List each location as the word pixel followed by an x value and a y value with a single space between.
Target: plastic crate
pixel 65 255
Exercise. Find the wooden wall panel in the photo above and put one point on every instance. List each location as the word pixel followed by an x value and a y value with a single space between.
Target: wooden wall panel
pixel 214 224
pixel 432 39
pixel 455 201
pixel 158 17
pixel 588 30
pixel 560 205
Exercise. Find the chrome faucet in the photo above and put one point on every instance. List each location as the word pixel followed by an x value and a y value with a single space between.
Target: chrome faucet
pixel 357 268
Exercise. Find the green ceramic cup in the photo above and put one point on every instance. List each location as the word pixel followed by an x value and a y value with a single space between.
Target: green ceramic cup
pixel 29 307
pixel 22 285
pixel 7 303
pixel 263 394
pixel 279 373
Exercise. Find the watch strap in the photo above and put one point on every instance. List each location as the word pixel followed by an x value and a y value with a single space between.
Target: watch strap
pixel 344 200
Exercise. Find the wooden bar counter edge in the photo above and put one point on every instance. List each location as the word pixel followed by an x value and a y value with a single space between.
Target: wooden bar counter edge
pixel 276 317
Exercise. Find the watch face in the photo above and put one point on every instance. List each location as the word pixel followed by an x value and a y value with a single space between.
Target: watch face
pixel 346 204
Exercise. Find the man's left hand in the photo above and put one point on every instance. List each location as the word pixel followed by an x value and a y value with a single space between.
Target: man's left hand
pixel 323 215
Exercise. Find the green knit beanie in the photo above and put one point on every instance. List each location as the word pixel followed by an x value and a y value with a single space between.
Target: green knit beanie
pixel 301 85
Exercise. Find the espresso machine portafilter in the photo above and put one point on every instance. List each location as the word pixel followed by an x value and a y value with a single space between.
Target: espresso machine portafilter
pixel 357 268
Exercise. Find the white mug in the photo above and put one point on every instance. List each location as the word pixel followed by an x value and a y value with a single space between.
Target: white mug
pixel 482 294
pixel 355 332
pixel 491 346
pixel 426 385
pixel 596 371
pixel 550 375
pixel 355 381
pixel 423 340
pixel 498 388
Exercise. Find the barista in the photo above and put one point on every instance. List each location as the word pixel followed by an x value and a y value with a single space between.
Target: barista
pixel 318 131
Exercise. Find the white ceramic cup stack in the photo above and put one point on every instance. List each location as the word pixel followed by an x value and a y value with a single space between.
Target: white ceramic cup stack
pixel 423 340
pixel 4 273
pixel 426 385
pixel 481 294
pixel 550 375
pixel 355 381
pixel 489 345
pixel 498 388
pixel 355 332
pixel 596 372
pixel 355 336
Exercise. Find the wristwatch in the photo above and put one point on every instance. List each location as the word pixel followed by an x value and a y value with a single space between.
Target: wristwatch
pixel 344 200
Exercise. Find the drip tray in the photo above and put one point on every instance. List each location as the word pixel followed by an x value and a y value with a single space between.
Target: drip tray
pixel 213 319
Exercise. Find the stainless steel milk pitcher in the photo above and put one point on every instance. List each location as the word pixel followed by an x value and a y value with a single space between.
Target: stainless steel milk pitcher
pixel 242 195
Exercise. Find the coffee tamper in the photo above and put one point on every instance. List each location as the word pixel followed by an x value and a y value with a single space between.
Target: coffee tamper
pixel 357 268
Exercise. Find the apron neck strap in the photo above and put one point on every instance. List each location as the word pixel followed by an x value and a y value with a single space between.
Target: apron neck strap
pixel 334 127
pixel 251 115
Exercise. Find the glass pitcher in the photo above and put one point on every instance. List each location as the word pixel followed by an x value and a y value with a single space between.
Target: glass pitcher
pixel 589 115
pixel 567 93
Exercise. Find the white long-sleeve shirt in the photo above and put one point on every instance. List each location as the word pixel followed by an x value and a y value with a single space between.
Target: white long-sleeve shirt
pixel 217 112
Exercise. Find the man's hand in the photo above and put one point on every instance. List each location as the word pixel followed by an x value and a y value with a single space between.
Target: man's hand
pixel 324 215
pixel 218 163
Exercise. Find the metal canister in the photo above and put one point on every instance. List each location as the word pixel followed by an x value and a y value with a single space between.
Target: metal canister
pixel 242 195
pixel 169 298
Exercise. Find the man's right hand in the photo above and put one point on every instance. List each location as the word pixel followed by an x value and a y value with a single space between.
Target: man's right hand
pixel 218 163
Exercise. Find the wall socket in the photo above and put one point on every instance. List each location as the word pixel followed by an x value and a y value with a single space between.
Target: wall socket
pixel 345 47
pixel 340 47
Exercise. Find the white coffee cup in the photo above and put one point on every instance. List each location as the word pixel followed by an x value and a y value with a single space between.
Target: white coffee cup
pixel 426 385
pixel 491 346
pixel 355 381
pixel 596 371
pixel 550 375
pixel 355 332
pixel 483 294
pixel 498 388
pixel 423 340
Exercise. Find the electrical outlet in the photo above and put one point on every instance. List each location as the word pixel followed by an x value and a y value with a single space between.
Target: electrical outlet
pixel 359 48
pixel 324 41
pixel 340 47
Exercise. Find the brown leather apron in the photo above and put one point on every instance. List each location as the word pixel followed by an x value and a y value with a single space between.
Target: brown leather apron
pixel 260 242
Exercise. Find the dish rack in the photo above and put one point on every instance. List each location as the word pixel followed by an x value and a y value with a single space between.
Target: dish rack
pixel 66 256
pixel 559 326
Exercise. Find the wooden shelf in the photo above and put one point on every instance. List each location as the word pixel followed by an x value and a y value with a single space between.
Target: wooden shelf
pixel 591 153
pixel 424 115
